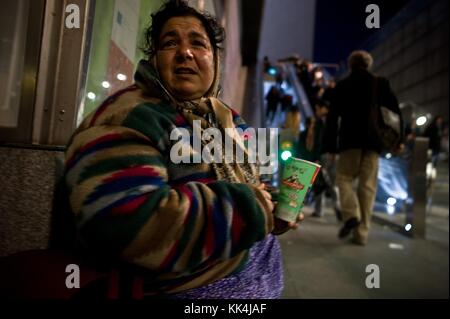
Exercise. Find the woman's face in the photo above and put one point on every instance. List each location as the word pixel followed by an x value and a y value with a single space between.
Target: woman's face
pixel 185 59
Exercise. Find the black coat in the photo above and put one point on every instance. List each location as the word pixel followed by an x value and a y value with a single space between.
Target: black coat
pixel 434 133
pixel 348 122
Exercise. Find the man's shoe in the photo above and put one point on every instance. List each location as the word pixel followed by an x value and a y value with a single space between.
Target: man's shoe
pixel 348 227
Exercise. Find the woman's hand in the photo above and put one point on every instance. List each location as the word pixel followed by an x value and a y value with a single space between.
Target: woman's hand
pixel 282 226
pixel 268 198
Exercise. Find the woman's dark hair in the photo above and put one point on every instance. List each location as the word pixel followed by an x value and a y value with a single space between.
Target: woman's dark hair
pixel 180 8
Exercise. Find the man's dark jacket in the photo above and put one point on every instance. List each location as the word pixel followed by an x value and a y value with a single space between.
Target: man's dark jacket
pixel 350 121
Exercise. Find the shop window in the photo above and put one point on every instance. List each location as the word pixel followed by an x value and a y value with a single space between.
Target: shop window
pixel 20 26
pixel 116 37
pixel 13 33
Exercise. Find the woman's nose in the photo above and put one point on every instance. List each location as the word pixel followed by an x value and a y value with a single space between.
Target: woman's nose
pixel 184 52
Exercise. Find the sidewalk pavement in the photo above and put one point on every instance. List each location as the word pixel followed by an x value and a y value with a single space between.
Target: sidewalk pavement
pixel 319 265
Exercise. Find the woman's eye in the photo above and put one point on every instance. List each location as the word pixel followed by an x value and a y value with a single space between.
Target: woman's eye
pixel 199 44
pixel 169 44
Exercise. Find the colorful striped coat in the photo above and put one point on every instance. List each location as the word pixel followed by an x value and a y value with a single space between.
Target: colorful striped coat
pixel 177 221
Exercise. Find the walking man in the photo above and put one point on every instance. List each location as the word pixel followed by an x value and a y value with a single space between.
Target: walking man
pixel 349 132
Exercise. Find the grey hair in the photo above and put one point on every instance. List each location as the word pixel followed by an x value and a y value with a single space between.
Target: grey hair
pixel 360 60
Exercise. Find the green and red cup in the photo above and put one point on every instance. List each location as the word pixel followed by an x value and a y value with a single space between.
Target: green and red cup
pixel 298 177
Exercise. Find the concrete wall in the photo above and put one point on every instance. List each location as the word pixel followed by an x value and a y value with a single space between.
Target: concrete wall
pixel 415 57
pixel 27 181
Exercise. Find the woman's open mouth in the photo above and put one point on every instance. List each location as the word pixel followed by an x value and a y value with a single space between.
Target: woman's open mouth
pixel 184 70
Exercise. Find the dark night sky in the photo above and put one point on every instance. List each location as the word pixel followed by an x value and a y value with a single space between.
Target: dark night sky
pixel 340 26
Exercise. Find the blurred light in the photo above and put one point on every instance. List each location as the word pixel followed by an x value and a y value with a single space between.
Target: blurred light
pixel 272 71
pixel 430 171
pixel 396 246
pixel 408 227
pixel 285 155
pixel 388 155
pixel 319 74
pixel 390 209
pixel 421 120
pixel 286 144
pixel 398 193
pixel 391 201
pixel 121 77
pixel 91 96
pixel 105 84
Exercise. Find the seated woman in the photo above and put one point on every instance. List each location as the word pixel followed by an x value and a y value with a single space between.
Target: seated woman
pixel 191 229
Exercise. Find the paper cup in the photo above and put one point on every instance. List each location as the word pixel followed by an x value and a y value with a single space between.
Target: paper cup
pixel 298 176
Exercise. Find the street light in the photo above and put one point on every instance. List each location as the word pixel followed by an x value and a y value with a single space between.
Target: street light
pixel 421 120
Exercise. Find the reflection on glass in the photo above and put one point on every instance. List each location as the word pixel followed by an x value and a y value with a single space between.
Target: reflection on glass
pixel 13 28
